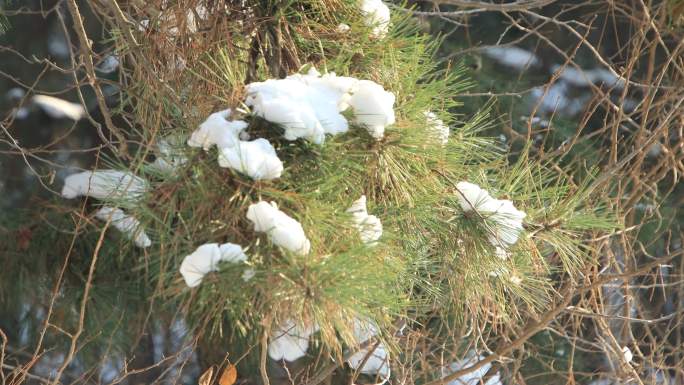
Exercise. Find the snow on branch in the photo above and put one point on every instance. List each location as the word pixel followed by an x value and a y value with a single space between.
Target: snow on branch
pixel 475 377
pixel 170 156
pixel 283 230
pixel 256 159
pixel 206 258
pixel 309 105
pixel 127 224
pixel 369 226
pixel 378 356
pixel 290 341
pixel 439 130
pixel 218 131
pixel 57 108
pixel 507 220
pixel 105 184
pixel 376 16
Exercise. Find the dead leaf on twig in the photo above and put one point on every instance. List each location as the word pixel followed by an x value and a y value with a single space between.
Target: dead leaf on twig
pixel 205 378
pixel 229 375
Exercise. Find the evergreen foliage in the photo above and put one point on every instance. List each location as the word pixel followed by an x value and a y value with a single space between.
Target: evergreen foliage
pixel 434 270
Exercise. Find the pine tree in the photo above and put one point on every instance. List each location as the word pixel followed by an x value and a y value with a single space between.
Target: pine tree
pixel 413 247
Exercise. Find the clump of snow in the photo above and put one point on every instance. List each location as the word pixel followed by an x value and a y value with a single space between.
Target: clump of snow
pixel 608 78
pixel 290 341
pixel 506 218
pixel 194 22
pixel 557 100
pixel 248 274
pixel 105 184
pixel 501 253
pixel 377 16
pixel 109 64
pixel 282 229
pixel 217 130
pixel 584 77
pixel 378 359
pixel 257 159
pixel 309 105
pixel 127 224
pixel 654 150
pixel 505 273
pixel 21 113
pixel 143 25
pixel 534 121
pixel 436 126
pixel 574 76
pixel 373 107
pixel 627 354
pixel 170 156
pixel 342 28
pixel 305 105
pixel 514 57
pixel 566 96
pixel 206 259
pixel 369 226
pixel 57 44
pixel 15 94
pixel 57 108
pixel 476 377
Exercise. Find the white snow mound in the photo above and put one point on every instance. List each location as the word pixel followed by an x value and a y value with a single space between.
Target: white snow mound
pixel 290 341
pixel 217 130
pixel 437 128
pixel 476 377
pixel 513 57
pixel 127 224
pixel 378 360
pixel 257 159
pixel 369 226
pixel 283 230
pixel 170 156
pixel 57 108
pixel 377 16
pixel 506 218
pixel 105 184
pixel 206 258
pixel 309 105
